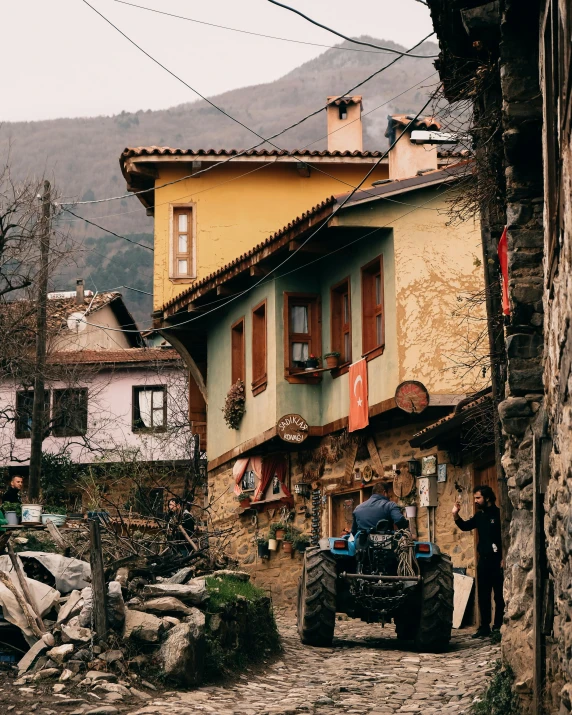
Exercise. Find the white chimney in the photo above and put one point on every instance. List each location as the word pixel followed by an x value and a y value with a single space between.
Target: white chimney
pixel 407 159
pixel 79 292
pixel 344 124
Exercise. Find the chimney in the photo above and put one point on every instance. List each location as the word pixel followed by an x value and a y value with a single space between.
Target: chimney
pixel 344 124
pixel 79 292
pixel 407 159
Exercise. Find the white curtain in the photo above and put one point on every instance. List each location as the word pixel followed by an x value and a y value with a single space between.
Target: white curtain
pixel 145 407
pixel 158 398
pixel 299 319
pixel 300 352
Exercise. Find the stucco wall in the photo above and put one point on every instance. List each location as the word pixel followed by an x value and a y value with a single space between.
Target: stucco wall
pixel 94 336
pixel 238 206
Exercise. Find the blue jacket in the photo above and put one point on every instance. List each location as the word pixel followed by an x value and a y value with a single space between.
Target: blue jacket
pixel 377 507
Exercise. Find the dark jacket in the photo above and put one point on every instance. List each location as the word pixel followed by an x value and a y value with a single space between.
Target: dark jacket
pixel 12 495
pixel 377 507
pixel 487 523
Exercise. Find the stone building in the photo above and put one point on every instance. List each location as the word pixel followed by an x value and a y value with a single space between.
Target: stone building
pixel 490 56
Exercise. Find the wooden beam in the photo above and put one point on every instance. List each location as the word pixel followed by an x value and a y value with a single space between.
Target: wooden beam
pixel 97 579
pixel 303 169
pixel 196 167
pixel 54 532
pixel 374 454
pixel 310 247
pixel 258 271
pixel 25 588
pixel 223 290
pixel 350 461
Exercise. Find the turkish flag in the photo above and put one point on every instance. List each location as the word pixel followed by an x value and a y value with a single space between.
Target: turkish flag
pixel 359 417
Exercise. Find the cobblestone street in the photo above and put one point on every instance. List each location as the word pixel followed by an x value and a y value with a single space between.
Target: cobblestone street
pixel 366 672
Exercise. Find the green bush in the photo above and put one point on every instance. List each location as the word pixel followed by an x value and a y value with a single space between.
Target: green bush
pixel 55 509
pixel 12 506
pixel 498 698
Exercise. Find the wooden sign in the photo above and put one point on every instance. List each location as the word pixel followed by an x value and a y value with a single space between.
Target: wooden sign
pixel 411 396
pixel 402 484
pixel 292 428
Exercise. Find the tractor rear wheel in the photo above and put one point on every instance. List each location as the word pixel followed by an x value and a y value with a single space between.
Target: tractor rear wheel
pixel 436 616
pixel 317 598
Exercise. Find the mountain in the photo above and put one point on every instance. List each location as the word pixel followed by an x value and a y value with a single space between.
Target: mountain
pixel 81 155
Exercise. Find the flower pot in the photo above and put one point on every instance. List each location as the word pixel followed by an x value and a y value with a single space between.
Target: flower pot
pixel 287 547
pixel 263 551
pixel 312 363
pixel 31 513
pixel 411 512
pixel 272 544
pixel 244 503
pixel 280 534
pixel 332 362
pixel 11 518
pixel 56 519
pixel 301 547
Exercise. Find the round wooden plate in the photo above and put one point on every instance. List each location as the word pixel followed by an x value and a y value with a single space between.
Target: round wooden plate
pixel 403 484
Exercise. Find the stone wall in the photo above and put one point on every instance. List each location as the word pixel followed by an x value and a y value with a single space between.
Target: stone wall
pixel 279 574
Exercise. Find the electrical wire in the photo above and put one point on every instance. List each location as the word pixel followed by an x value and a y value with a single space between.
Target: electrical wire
pixel 249 32
pixel 244 151
pixel 319 228
pixel 345 37
pixel 112 233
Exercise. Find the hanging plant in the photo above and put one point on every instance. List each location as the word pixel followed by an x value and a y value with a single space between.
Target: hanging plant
pixel 234 407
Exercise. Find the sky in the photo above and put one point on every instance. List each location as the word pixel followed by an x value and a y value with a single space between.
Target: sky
pixel 66 61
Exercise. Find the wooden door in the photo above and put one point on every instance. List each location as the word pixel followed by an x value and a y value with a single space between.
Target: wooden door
pixel 343 506
pixel 487 476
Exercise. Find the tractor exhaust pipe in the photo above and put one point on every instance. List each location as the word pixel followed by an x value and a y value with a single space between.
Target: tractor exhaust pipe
pixel 370 577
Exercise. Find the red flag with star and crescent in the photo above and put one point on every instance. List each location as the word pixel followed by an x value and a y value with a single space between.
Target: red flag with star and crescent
pixel 359 417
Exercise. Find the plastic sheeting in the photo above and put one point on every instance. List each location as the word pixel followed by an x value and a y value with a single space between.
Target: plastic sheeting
pixel 45 598
pixel 70 574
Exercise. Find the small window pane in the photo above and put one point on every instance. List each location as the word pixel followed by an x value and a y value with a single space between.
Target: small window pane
pixel 378 329
pixel 183 222
pixel 346 355
pixel 183 243
pixel 158 417
pixel 299 319
pixel 182 267
pixel 158 399
pixel 378 289
pixel 299 352
pixel 346 304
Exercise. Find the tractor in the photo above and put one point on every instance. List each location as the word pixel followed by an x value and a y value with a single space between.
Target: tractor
pixel 379 576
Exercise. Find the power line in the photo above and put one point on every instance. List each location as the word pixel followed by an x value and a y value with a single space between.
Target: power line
pixel 112 233
pixel 248 32
pixel 319 228
pixel 244 151
pixel 345 37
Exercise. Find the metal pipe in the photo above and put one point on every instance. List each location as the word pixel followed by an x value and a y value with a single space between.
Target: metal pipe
pixel 373 577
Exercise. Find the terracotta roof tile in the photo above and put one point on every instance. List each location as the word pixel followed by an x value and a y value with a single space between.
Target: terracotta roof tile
pixel 129 152
pixel 129 355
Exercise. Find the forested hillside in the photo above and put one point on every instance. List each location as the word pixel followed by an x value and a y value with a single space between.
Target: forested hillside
pixel 81 155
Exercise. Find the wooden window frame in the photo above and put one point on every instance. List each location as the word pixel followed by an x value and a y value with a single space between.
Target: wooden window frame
pixel 174 275
pixel 336 323
pixel 135 390
pixel 259 348
pixel 26 434
pixel 371 348
pixel 59 431
pixel 296 375
pixel 237 371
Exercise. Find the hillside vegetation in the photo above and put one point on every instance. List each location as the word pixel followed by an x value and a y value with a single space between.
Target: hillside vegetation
pixel 81 155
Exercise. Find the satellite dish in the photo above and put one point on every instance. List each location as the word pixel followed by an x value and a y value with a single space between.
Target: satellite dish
pixel 76 322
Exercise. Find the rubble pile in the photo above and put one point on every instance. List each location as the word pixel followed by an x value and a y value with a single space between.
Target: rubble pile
pixel 178 627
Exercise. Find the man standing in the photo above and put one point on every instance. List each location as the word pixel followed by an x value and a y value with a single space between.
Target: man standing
pixel 378 507
pixel 490 564
pixel 12 494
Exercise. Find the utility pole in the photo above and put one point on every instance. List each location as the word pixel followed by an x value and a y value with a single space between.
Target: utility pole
pixel 38 409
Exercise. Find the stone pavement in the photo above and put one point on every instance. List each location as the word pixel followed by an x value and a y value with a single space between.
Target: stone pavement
pixel 365 673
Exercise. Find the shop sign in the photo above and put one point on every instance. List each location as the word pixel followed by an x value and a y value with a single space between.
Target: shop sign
pixel 292 428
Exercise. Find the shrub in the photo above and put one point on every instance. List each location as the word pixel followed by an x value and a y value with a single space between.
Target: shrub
pixel 498 698
pixel 12 506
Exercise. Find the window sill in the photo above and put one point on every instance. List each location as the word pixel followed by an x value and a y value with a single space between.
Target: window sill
pixel 303 377
pixel 68 434
pixel 340 370
pixel 268 503
pixel 259 386
pixel 186 279
pixel 375 352
pixel 144 430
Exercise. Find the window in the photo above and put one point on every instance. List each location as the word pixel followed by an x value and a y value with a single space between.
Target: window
pixel 302 333
pixel 259 376
pixel 237 351
pixel 149 409
pixel 70 412
pixel 182 243
pixel 24 408
pixel 341 331
pixel 249 480
pixel 373 329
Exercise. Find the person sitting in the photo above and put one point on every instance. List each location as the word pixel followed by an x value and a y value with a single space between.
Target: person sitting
pixel 12 494
pixel 378 507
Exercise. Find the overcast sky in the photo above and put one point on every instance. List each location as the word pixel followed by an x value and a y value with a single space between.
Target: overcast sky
pixel 60 59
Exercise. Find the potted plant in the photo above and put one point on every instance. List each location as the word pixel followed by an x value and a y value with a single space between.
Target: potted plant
pixel 312 362
pixel 277 530
pixel 301 542
pixel 409 502
pixel 234 405
pixel 244 500
pixel 55 514
pixel 12 512
pixel 287 543
pixel 31 512
pixel 332 359
pixel 263 550
pixel 272 544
